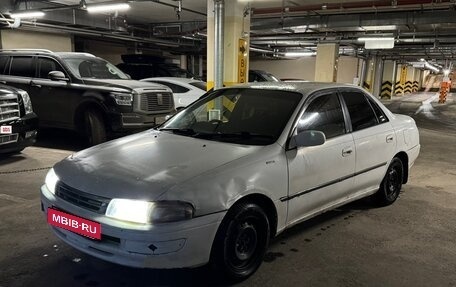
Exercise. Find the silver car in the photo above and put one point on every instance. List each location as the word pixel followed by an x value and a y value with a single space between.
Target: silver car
pixel 234 169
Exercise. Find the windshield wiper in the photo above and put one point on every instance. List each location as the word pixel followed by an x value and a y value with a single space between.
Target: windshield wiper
pixel 186 131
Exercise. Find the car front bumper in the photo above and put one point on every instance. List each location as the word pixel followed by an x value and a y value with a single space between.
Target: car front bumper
pixel 24 131
pixel 125 122
pixel 173 245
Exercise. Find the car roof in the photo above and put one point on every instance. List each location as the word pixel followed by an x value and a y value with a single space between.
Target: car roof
pixel 304 88
pixel 173 79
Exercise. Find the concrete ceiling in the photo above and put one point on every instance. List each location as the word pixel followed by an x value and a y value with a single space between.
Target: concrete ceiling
pixel 421 28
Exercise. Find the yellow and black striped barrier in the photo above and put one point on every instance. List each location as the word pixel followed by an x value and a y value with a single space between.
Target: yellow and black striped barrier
pixel 408 87
pixel 398 89
pixel 366 85
pixel 386 90
pixel 415 86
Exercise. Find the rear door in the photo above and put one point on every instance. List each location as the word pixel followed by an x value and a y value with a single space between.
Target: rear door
pixel 374 137
pixel 321 176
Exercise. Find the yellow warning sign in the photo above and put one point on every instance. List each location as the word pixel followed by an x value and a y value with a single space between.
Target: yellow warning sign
pixel 242 61
pixel 403 75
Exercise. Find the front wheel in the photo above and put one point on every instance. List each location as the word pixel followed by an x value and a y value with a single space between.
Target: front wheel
pixel 95 128
pixel 241 241
pixel 391 184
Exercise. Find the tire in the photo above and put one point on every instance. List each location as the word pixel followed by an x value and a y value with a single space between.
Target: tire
pixel 241 242
pixel 391 184
pixel 95 128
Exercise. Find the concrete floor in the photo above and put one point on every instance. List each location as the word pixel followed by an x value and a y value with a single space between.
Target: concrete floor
pixel 411 243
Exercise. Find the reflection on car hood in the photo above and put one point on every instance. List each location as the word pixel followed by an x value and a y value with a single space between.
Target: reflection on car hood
pixel 128 84
pixel 145 165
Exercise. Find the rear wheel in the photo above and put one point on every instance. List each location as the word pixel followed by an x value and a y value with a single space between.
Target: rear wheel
pixel 241 241
pixel 391 184
pixel 95 128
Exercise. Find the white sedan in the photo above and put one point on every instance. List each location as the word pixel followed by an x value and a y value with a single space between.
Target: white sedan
pixel 185 91
pixel 217 181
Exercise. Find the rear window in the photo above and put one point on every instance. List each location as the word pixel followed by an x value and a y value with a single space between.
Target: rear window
pixel 22 66
pixel 3 63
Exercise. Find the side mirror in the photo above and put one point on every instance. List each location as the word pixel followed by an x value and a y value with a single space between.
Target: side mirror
pixel 309 138
pixel 57 76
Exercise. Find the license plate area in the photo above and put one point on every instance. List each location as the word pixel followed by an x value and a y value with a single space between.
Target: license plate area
pixel 76 224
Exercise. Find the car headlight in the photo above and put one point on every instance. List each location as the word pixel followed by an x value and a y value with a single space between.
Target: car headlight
pixel 51 180
pixel 149 212
pixel 122 99
pixel 27 102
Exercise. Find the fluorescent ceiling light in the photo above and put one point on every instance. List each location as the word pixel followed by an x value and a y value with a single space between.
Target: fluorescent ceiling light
pixel 26 14
pixel 377 43
pixel 299 54
pixel 382 27
pixel 107 7
pixel 367 39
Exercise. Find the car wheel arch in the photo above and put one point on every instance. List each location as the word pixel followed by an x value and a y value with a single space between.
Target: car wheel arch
pixel 265 203
pixel 403 157
pixel 86 106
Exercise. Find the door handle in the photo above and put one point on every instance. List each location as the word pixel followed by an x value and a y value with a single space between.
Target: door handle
pixel 389 138
pixel 347 151
pixel 35 85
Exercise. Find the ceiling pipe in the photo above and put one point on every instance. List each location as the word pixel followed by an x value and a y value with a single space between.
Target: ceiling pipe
pixel 343 6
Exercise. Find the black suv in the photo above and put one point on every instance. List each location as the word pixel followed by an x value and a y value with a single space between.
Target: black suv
pixel 18 123
pixel 81 92
pixel 140 66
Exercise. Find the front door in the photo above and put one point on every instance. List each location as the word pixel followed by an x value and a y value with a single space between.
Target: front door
pixel 321 176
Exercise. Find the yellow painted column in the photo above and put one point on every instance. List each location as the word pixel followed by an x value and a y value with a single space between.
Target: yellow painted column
pixel 387 80
pixel 236 43
pixel 326 62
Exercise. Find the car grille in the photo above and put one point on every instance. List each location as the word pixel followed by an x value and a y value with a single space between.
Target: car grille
pixel 156 102
pixel 9 108
pixel 87 201
pixel 6 139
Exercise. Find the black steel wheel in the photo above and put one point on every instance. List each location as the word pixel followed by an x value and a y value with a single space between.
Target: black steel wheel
pixel 391 184
pixel 241 241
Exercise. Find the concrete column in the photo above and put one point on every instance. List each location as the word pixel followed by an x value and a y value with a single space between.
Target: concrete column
pixel 369 74
pixel 378 77
pixel 236 43
pixel 388 79
pixel 183 62
pixel 326 62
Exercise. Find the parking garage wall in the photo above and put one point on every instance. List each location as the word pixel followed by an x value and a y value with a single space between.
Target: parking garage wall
pixel 109 51
pixel 18 39
pixel 304 68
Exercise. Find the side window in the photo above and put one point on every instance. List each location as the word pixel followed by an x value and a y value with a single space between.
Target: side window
pixel 46 65
pixel 3 64
pixel 361 113
pixel 175 88
pixel 324 114
pixel 381 117
pixel 22 66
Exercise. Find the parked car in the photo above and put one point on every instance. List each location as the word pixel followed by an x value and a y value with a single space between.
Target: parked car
pixel 215 182
pixel 185 91
pixel 81 92
pixel 18 122
pixel 140 66
pixel 261 76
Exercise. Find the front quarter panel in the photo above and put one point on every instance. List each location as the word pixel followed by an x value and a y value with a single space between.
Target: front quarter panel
pixel 265 172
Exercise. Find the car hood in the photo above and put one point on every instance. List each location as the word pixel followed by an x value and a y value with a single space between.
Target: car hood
pixel 125 84
pixel 145 165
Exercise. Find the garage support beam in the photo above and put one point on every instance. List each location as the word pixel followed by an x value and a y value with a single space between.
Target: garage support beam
pixel 326 62
pixel 227 60
pixel 378 77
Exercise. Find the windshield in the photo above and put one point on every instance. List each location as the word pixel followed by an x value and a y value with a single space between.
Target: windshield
pixel 96 68
pixel 243 116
